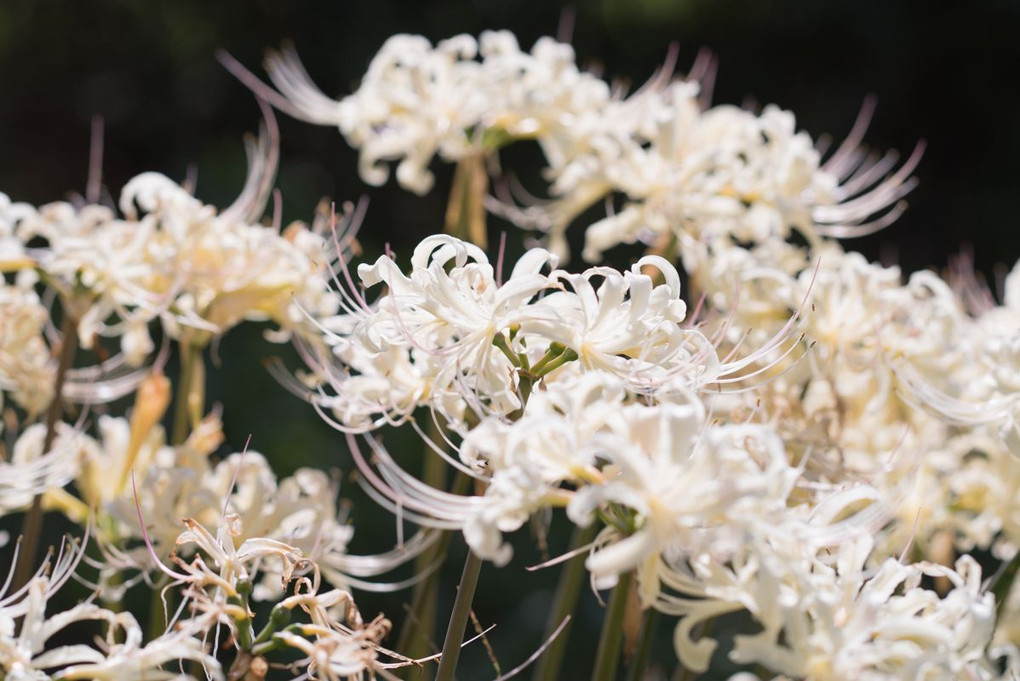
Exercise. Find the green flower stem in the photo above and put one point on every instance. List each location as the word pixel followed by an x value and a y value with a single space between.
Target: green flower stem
pixel 459 617
pixel 245 631
pixel 279 617
pixel 568 592
pixel 418 628
pixel 500 341
pixel 607 656
pixel 567 355
pixel 190 391
pixel 32 524
pixel 644 646
pixel 266 647
pixel 555 350
pixel 1002 583
pixel 465 210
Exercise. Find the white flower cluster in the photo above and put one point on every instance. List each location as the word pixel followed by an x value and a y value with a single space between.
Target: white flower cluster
pixel 712 175
pixel 217 583
pixel 459 98
pixel 451 337
pixel 843 623
pixel 182 482
pixel 172 258
pixel 26 630
pixel 826 378
pixel 817 445
pixel 26 367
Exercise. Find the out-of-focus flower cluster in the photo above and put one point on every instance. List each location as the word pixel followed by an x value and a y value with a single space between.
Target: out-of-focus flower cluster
pixel 685 172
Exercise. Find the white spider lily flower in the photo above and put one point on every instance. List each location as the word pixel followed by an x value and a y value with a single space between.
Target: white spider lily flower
pixel 109 462
pixel 861 313
pixel 527 462
pixel 220 270
pixel 568 413
pixel 235 564
pixel 984 392
pixel 48 579
pixel 217 594
pixel 26 367
pixel 299 511
pixel 413 102
pixel 457 99
pixel 626 324
pixel 175 258
pixel 731 474
pixel 131 661
pixel 429 339
pixel 334 653
pixel 337 641
pixel 523 465
pixel 868 333
pixel 976 494
pixel 452 318
pixel 12 250
pixel 582 444
pixel 25 656
pixel 734 517
pixel 844 622
pixel 31 471
pixel 723 174
pixel 450 337
pixel 30 654
pixel 100 267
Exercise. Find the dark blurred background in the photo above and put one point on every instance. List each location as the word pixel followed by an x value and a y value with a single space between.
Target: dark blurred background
pixel 942 72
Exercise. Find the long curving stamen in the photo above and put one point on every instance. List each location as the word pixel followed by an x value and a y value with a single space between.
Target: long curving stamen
pixel 148 542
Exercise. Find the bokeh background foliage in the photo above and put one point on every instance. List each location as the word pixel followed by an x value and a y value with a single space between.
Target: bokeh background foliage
pixel 942 72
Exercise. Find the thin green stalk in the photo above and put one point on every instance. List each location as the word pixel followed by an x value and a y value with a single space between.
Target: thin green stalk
pixel 568 355
pixel 459 617
pixel 465 209
pixel 644 646
pixel 607 656
pixel 568 592
pixel 465 219
pixel 1002 583
pixel 32 524
pixel 190 391
pixel 418 629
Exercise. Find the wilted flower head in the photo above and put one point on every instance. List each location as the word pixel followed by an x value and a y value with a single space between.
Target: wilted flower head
pixel 28 635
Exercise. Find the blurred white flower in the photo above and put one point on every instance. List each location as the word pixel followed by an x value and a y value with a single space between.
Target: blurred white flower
pixel 460 98
pixel 31 471
pixel 844 622
pixel 720 176
pixel 27 368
